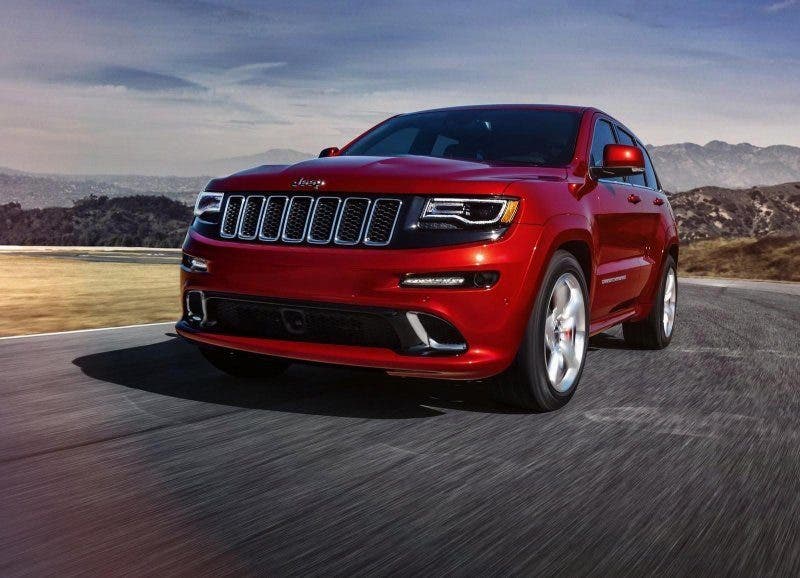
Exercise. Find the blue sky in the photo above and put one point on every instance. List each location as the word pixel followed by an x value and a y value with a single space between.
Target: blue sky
pixel 149 86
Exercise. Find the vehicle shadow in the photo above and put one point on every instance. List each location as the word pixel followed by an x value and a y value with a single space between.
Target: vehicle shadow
pixel 610 339
pixel 175 368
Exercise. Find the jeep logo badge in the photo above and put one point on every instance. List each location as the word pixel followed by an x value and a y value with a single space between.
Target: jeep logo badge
pixel 303 183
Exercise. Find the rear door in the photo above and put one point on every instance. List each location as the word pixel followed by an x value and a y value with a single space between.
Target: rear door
pixel 622 225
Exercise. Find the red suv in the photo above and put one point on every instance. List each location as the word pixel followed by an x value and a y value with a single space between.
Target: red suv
pixel 481 242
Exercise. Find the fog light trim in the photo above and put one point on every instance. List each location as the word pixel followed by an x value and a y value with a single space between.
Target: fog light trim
pixel 468 280
pixel 194 264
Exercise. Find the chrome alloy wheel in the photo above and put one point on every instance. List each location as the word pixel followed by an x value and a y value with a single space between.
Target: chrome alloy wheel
pixel 670 301
pixel 565 333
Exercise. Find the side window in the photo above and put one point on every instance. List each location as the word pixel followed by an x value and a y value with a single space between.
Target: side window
pixel 649 171
pixel 626 139
pixel 603 135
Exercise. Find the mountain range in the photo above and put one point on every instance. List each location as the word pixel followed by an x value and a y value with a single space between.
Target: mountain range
pixel 681 167
pixel 687 166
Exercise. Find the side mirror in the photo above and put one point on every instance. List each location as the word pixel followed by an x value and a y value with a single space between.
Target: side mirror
pixel 619 161
pixel 329 152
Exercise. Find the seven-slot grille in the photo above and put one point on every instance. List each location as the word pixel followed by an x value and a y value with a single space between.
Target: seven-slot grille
pixel 301 218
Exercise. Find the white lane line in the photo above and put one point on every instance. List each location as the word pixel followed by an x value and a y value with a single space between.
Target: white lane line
pixel 87 330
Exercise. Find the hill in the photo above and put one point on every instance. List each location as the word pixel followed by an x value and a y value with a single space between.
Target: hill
pixel 135 221
pixel 714 212
pixel 235 164
pixel 686 166
pixel 35 191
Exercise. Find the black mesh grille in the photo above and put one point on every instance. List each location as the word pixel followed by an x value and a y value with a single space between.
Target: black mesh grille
pixel 304 219
pixel 323 219
pixel 351 223
pixel 295 226
pixel 384 215
pixel 231 218
pixel 273 215
pixel 299 323
pixel 250 214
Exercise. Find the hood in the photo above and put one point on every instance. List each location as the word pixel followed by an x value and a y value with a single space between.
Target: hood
pixel 395 175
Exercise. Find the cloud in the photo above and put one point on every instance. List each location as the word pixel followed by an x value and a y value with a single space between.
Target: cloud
pixel 135 79
pixel 778 6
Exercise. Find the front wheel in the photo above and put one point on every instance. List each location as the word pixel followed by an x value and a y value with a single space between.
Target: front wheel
pixel 550 360
pixel 243 364
pixel 655 331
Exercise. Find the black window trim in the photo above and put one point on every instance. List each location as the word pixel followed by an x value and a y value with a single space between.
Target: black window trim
pixel 613 124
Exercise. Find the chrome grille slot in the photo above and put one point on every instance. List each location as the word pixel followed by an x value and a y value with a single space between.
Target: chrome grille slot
pixel 324 220
pixel 326 209
pixel 230 219
pixel 382 221
pixel 251 215
pixel 296 225
pixel 273 218
pixel 352 221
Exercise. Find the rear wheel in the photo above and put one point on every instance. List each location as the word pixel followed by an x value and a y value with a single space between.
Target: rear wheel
pixel 655 331
pixel 243 364
pixel 550 360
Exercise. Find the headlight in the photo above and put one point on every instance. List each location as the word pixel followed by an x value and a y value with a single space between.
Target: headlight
pixel 208 203
pixel 462 213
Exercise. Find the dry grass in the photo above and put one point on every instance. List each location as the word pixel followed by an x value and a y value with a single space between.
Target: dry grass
pixel 772 258
pixel 42 294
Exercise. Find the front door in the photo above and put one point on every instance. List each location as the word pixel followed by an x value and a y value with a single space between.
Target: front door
pixel 624 230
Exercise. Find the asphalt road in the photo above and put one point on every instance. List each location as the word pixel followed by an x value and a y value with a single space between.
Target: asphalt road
pixel 122 452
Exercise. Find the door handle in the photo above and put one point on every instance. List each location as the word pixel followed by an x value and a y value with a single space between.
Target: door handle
pixel 634 198
pixel 658 201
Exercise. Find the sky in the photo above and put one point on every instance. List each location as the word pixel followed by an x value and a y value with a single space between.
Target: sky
pixel 154 86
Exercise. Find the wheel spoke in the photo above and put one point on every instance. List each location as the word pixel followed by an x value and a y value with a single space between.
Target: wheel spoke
pixel 554 366
pixel 669 289
pixel 561 297
pixel 573 308
pixel 568 353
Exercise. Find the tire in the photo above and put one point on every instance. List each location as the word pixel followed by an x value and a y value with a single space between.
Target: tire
pixel 653 332
pixel 548 335
pixel 243 364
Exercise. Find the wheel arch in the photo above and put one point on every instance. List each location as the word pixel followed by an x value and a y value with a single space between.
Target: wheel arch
pixel 673 251
pixel 567 232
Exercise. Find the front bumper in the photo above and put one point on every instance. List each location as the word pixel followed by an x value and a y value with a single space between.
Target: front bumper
pixel 491 321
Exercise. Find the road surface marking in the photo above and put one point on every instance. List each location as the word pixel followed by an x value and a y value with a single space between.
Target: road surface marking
pixel 87 330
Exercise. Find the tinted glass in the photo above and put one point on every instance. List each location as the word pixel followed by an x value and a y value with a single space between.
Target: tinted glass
pixel 497 136
pixel 626 139
pixel 649 171
pixel 603 135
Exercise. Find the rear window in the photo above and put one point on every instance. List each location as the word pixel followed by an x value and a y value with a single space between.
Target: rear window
pixel 495 136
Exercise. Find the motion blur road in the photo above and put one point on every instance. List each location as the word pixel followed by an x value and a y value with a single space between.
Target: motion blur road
pixel 122 451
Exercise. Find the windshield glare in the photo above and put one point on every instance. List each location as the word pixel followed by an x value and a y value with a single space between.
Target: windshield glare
pixel 495 136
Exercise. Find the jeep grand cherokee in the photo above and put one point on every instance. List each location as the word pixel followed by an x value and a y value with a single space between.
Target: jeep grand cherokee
pixel 484 242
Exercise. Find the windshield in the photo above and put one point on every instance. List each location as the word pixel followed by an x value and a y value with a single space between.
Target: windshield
pixel 495 136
